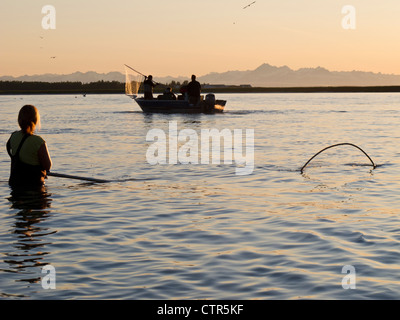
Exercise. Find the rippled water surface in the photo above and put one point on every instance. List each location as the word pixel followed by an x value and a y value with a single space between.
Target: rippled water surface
pixel 199 231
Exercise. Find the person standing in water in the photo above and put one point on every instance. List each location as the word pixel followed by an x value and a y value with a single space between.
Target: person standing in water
pixel 30 158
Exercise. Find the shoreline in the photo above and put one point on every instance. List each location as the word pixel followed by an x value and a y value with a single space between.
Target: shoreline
pixel 26 88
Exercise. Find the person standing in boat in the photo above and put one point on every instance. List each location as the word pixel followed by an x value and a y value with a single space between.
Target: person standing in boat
pixel 30 158
pixel 149 84
pixel 194 90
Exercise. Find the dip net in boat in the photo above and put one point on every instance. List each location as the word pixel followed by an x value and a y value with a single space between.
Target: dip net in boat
pixel 133 82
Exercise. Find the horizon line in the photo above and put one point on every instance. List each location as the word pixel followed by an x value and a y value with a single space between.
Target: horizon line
pixel 210 72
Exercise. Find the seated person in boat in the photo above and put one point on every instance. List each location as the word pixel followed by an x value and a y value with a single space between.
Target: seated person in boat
pixel 167 95
pixel 183 93
pixel 148 85
pixel 194 90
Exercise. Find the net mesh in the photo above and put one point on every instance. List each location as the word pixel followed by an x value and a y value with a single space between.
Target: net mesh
pixel 133 82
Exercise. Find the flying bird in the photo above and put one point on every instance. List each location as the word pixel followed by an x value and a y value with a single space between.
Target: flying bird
pixel 249 5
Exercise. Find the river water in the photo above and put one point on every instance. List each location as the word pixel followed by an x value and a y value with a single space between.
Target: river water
pixel 201 231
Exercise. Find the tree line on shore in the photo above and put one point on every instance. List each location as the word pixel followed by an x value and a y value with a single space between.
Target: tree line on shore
pixel 38 87
pixel 64 87
pixel 10 87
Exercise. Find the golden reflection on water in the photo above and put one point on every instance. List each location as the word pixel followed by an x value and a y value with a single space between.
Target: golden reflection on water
pixel 30 242
pixel 208 225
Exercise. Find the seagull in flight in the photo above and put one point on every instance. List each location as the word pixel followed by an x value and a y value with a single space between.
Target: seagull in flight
pixel 249 5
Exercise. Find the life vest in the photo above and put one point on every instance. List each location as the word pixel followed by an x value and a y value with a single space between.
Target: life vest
pixel 23 174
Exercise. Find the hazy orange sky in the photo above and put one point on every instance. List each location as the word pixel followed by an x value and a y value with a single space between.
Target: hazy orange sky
pixel 181 37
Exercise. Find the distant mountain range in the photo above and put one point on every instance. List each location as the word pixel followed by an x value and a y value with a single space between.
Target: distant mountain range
pixel 271 76
pixel 263 76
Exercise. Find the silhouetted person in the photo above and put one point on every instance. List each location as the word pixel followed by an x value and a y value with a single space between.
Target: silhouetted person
pixel 149 84
pixel 168 94
pixel 183 91
pixel 194 90
pixel 30 159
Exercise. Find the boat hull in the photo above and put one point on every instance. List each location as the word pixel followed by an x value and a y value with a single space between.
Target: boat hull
pixel 179 106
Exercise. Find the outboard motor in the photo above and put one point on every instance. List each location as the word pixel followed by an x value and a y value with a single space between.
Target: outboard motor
pixel 209 103
pixel 210 99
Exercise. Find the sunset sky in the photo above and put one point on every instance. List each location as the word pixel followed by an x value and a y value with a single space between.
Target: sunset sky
pixel 181 37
